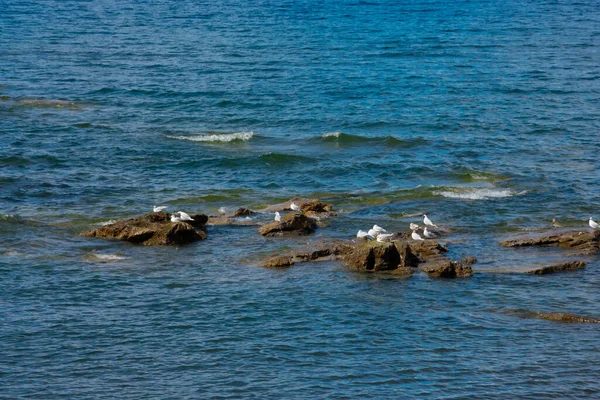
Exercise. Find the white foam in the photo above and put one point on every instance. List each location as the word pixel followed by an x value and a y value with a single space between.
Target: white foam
pixel 109 222
pixel 108 257
pixel 331 134
pixel 224 137
pixel 477 194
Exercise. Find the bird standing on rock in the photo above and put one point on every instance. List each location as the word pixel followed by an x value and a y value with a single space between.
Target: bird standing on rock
pixel 428 234
pixel 416 236
pixel 185 216
pixel 427 221
pixel 373 232
pixel 159 208
pixel 378 229
pixel 175 218
pixel 594 224
pixel 555 223
pixel 363 235
pixel 385 237
pixel 277 216
pixel 295 207
pixel 413 227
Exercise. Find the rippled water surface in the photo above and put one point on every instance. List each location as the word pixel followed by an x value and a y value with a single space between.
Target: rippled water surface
pixel 485 115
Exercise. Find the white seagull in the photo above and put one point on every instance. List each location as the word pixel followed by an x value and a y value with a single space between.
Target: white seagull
pixel 385 237
pixel 427 221
pixel 373 232
pixel 594 224
pixel 222 210
pixel 277 216
pixel 363 235
pixel 416 236
pixel 185 216
pixel 555 223
pixel 159 208
pixel 295 207
pixel 175 218
pixel 378 229
pixel 428 234
pixel 413 227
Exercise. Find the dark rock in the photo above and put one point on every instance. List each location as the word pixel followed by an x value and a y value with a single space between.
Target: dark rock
pixel 291 224
pixel 552 316
pixel 278 262
pixel 566 266
pixel 427 249
pixel 373 256
pixel 587 242
pixel 407 258
pixel 470 260
pixel 154 229
pixel 199 221
pixel 240 212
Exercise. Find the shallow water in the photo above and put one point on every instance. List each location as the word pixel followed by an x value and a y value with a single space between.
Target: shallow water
pixel 484 115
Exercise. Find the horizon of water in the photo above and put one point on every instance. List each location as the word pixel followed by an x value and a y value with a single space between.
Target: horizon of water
pixel 483 115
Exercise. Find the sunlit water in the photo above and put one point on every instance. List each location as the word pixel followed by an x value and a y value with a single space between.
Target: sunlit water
pixel 485 115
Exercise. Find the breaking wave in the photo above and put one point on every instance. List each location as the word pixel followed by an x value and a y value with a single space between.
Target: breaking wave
pixel 217 137
pixel 477 193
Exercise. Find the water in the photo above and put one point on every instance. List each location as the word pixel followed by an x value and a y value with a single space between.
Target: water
pixel 483 114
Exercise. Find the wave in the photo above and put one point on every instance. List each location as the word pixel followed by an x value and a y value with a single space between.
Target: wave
pixel 477 193
pixel 349 139
pixel 105 257
pixel 109 222
pixel 217 137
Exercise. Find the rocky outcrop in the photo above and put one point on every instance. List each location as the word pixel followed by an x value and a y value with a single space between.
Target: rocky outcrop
pixel 446 268
pixel 310 207
pixel 291 224
pixel 373 256
pixel 584 242
pixel 565 266
pixel 278 262
pixel 552 316
pixel 240 212
pixel 154 229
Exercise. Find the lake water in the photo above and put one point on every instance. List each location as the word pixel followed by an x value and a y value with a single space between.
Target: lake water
pixel 485 115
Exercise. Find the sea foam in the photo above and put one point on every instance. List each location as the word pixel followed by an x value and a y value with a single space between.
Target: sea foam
pixel 476 193
pixel 222 137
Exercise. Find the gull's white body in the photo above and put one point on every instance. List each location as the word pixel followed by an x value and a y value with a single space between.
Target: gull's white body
pixel 555 223
pixel 413 227
pixel 277 216
pixel 174 218
pixel 594 224
pixel 185 216
pixel 416 236
pixel 373 232
pixel 428 234
pixel 363 235
pixel 295 207
pixel 378 229
pixel 222 210
pixel 159 208
pixel 385 237
pixel 427 221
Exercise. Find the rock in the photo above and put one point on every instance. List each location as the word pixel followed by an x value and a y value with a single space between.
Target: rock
pixel 199 221
pixel 154 229
pixel 552 316
pixel 312 207
pixel 373 256
pixel 240 212
pixel 470 260
pixel 587 242
pixel 427 249
pixel 291 224
pixel 225 220
pixel 278 262
pixel 407 258
pixel 446 268
pixel 566 266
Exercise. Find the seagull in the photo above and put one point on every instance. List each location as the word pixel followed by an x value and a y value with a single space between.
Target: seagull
pixel 555 223
pixel 185 216
pixel 385 237
pixel 594 224
pixel 363 235
pixel 159 208
pixel 174 218
pixel 295 207
pixel 428 234
pixel 413 227
pixel 277 216
pixel 427 221
pixel 378 229
pixel 416 236
pixel 373 232
pixel 222 210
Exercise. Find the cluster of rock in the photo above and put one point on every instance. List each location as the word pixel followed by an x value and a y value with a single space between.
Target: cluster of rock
pixel 153 229
pixel 582 242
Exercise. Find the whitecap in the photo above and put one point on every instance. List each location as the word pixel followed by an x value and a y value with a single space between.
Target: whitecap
pixel 331 134
pixel 106 257
pixel 477 194
pixel 109 222
pixel 223 137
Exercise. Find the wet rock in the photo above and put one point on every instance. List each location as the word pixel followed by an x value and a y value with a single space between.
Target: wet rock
pixel 427 249
pixel 278 262
pixel 565 266
pixel 586 242
pixel 154 229
pixel 241 212
pixel 199 221
pixel 446 268
pixel 552 316
pixel 373 256
pixel 407 258
pixel 291 224
pixel 470 260
pixel 310 207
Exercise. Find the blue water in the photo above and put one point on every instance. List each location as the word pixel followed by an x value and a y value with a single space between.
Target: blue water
pixel 485 115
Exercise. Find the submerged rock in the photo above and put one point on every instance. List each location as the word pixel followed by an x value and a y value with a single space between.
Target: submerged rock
pixel 565 266
pixel 446 268
pixel 154 229
pixel 553 316
pixel 291 224
pixel 587 242
pixel 278 262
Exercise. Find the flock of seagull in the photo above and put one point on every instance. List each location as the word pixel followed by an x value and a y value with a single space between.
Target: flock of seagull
pixel 375 233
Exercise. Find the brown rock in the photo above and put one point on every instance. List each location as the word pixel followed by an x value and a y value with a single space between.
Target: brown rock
pixel 407 258
pixel 553 316
pixel 373 256
pixel 278 262
pixel 588 242
pixel 291 224
pixel 566 266
pixel 470 260
pixel 154 229
pixel 427 249
pixel 446 268
pixel 199 221
pixel 240 212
